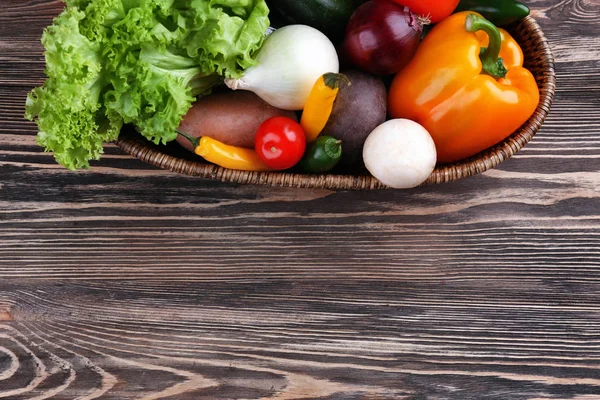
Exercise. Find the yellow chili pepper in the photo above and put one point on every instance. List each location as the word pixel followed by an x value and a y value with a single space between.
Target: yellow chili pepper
pixel 226 156
pixel 320 104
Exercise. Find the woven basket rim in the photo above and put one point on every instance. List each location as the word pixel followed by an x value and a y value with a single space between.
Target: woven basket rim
pixel 486 160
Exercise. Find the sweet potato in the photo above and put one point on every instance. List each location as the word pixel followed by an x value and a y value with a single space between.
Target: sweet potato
pixel 229 117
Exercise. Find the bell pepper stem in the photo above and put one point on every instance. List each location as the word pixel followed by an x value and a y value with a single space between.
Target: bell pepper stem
pixel 491 62
pixel 194 140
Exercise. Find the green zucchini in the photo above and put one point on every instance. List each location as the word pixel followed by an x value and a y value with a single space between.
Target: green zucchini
pixel 328 16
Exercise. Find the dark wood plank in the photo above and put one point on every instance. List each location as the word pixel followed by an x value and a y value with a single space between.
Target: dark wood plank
pixel 127 281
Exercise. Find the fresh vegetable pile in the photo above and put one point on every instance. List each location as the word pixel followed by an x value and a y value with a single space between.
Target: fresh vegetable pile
pixel 392 87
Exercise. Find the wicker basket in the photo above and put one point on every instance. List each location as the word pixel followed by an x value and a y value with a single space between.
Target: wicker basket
pixel 539 61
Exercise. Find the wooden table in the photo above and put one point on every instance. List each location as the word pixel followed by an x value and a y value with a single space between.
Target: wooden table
pixel 126 281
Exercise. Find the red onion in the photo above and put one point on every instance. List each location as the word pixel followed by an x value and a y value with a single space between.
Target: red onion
pixel 382 37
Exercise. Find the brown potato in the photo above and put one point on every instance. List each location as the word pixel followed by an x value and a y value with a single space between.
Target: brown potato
pixel 229 117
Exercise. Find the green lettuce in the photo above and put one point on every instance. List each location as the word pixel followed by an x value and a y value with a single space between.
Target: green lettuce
pixel 72 119
pixel 138 62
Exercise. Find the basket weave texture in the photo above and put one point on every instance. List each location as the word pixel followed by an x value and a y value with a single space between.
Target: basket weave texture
pixel 538 59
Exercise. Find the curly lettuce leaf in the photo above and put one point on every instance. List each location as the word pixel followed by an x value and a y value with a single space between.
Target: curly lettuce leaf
pixel 74 131
pixel 72 121
pixel 160 94
pixel 225 34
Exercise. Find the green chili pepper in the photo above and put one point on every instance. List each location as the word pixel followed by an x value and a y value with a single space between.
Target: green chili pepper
pixel 499 12
pixel 322 155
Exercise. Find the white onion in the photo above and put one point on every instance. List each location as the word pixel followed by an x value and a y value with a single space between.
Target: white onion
pixel 288 65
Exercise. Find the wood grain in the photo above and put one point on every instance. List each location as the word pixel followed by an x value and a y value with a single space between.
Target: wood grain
pixel 129 282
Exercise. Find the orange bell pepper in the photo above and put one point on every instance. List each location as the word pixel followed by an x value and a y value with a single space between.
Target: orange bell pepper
pixel 461 91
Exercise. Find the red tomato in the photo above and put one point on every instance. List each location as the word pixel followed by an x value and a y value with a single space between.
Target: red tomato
pixel 280 142
pixel 435 10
